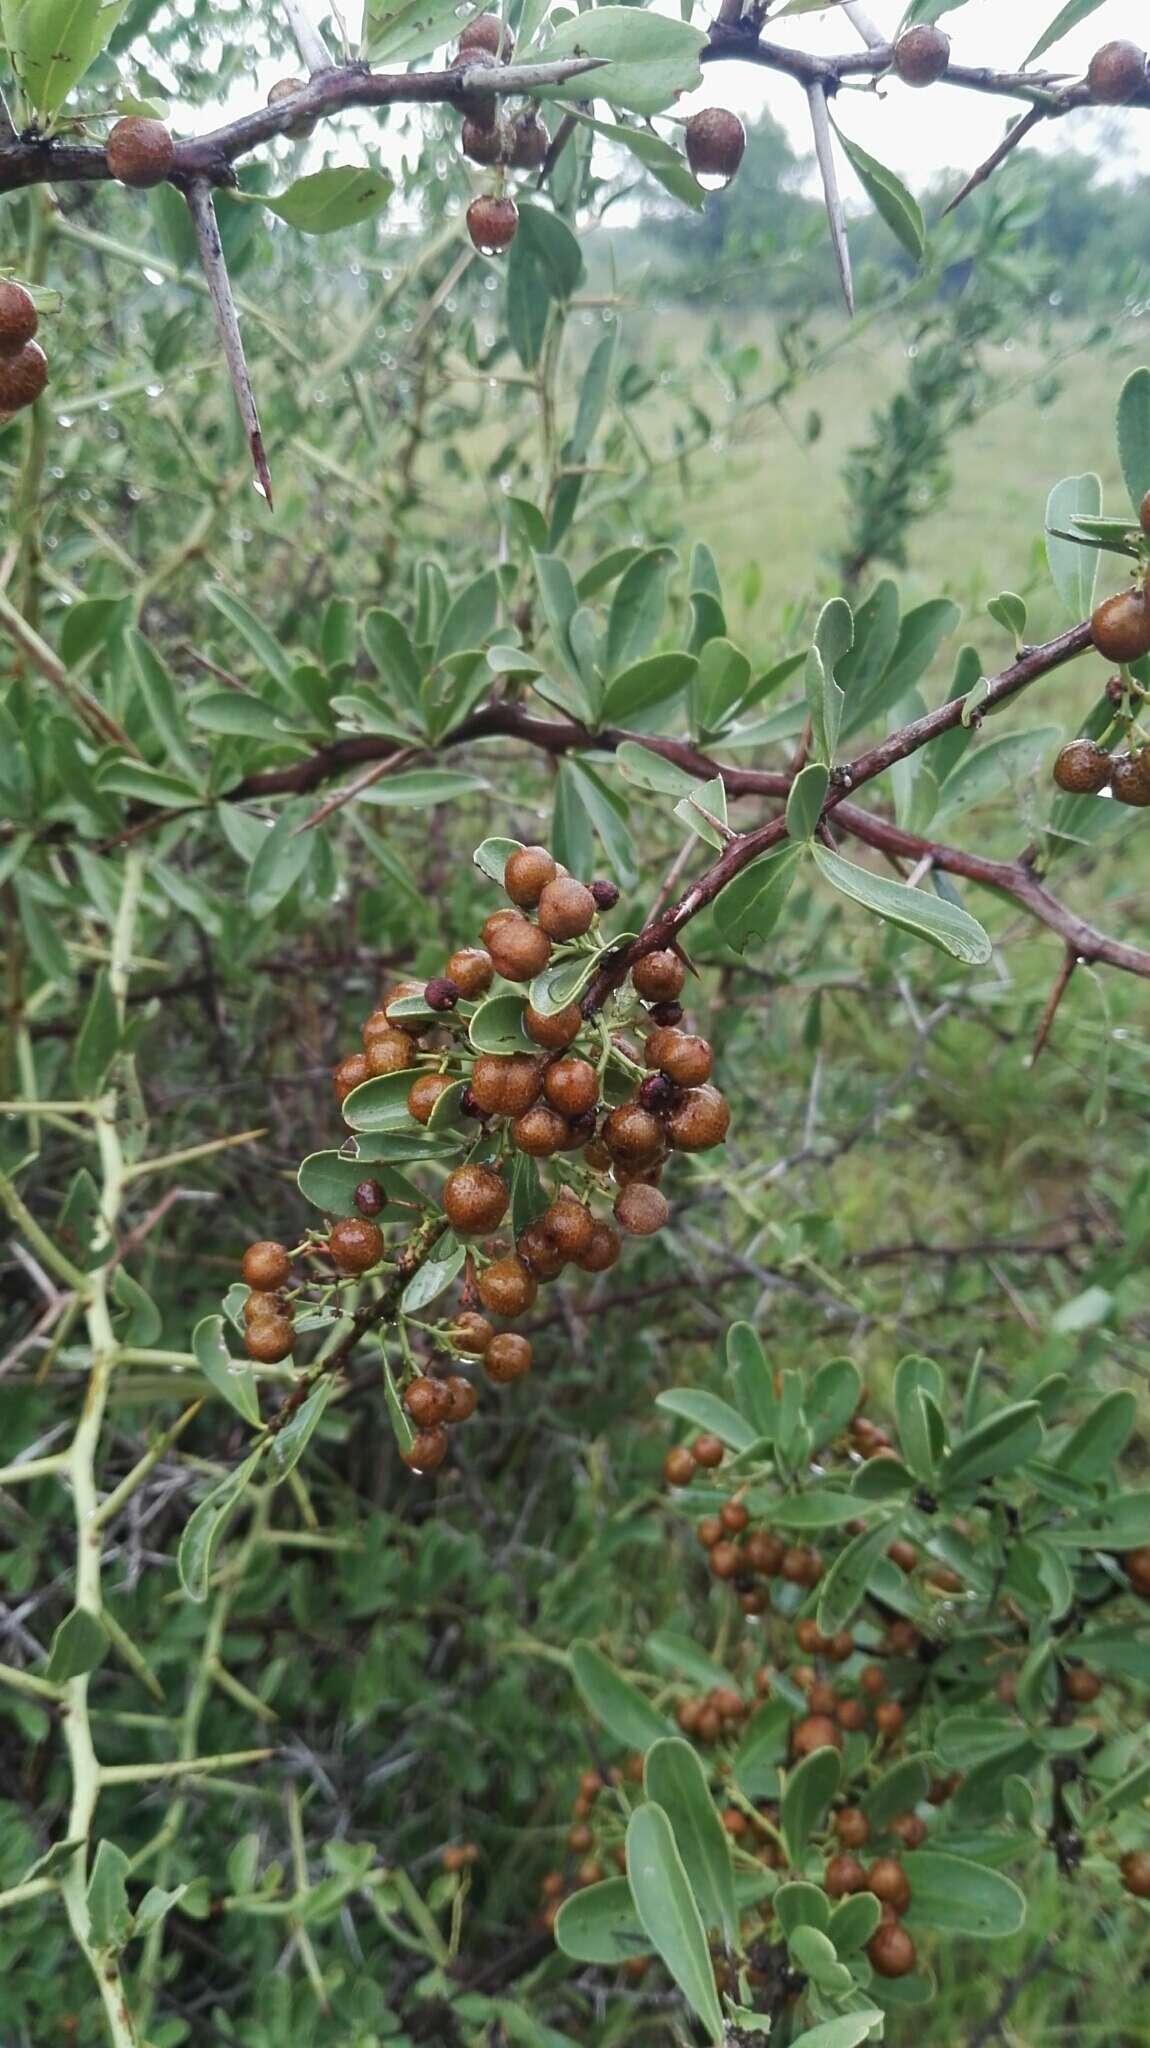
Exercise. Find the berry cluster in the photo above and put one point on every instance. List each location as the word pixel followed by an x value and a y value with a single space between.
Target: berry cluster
pixel 606 1100
pixel 489 137
pixel 593 1842
pixel 23 364
pixel 1083 768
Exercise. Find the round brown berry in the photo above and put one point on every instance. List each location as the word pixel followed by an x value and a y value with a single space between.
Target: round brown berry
pixel 1135 1868
pixel 571 1086
pixel 1082 768
pixel 810 1638
pixel 1081 1685
pixel 22 377
pixel 708 1452
pixel 492 225
pixel 640 1210
pixel 699 1120
pixel 844 1876
pixel 889 1882
pixel 403 992
pixel 1120 627
pixel 427 1401
pixel 1130 778
pixel 518 949
pixel 903 1639
pixel 269 1339
pixel 710 1724
pixel 486 32
pixel 815 1731
pixel 715 140
pixel 1116 72
pixel 139 151
pixel 890 1950
pixel 710 1530
pixel 852 1827
pixel 632 1133
pixel 658 977
pixel 18 317
pixel 527 874
pixel 921 55
pixel 910 1830
pixel 566 908
pixel 506 1287
pixel 266 1265
pixel 872 1679
pixel 903 1554
pixel 471 971
pixel 486 143
pixel 724 1559
pixel 369 1198
pixel 423 1095
pixel 288 89
pixel 683 1057
pixel 602 1252
pixel 355 1244
pixel 349 1074
pixel 802 1567
pixel 557 1032
pixel 505 1084
pixel 389 1052
pixel 258 1307
pixel 508 1357
pixel 459 1856
pixel 539 1252
pixel 679 1466
pixel 475 1200
pixel 764 1552
pixel 471 1333
pixel 668 1014
pixel 570 1225
pixel 441 993
pixel 841 1646
pixel 822 1698
pixel 462 1397
pixel 1136 1565
pixel 539 1132
pixel 530 142
pixel 888 1717
pixel 427 1449
pixel 734 1517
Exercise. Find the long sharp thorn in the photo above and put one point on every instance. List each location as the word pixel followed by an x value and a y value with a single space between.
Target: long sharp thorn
pixel 1010 141
pixel 825 152
pixel 203 213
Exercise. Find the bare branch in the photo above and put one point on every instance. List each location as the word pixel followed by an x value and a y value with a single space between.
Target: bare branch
pixel 1010 141
pixel 825 152
pixel 202 209
pixel 1061 984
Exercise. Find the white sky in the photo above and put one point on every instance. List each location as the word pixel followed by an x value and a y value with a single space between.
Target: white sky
pixel 917 132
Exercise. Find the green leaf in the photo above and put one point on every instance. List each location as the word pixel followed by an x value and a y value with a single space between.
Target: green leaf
pixel 814 1954
pixel 599 1924
pixel 408 31
pixel 704 812
pixel 1000 1444
pixel 831 1399
pixel 154 1908
pixel 834 637
pixel 206 1525
pixel 762 1749
pixel 421 788
pixel 810 1789
pixel 497 1025
pixel 614 1700
pixel 853 1921
pixel 432 1278
pixel 960 1897
pixel 234 712
pixel 263 644
pixel 389 648
pixel 562 982
pixel 656 156
pixel 610 816
pixel 1009 611
pixel 148 785
pixel 898 1790
pixel 993 766
pixel 710 1414
pixel 1098 1442
pixel 750 905
pixel 109 1915
pixel 637 608
pixel 1068 17
pixel 674 1779
pixel 381 1104
pixel 920 636
pixel 339 197
pixel 646 685
pixel 329 1180
pixel 667 1909
pixel 889 197
pixel 682 1655
pixel 814 1509
pixel 53 43
pixel 847 2032
pixel 277 867
pixel 492 855
pixel 648 770
pixel 231 1378
pixel 808 794
pixel 159 695
pixel 1121 1523
pixel 943 923
pixel 754 1386
pixel 844 1587
pixel 98 1038
pixel 289 1444
pixel 1134 434
pixel 653 57
pixel 79 1644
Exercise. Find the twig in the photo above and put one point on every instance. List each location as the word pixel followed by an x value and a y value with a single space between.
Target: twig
pixel 1061 983
pixel 356 788
pixel 825 152
pixel 202 210
pixel 991 2027
pixel 1010 141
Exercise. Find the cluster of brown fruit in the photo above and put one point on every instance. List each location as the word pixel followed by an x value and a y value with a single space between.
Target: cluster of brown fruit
pixel 543 1105
pixel 490 138
pixel 23 364
pixel 1083 768
pixel 585 1862
pixel 354 1245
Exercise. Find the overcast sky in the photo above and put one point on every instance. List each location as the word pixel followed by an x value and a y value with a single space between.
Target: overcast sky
pixel 917 132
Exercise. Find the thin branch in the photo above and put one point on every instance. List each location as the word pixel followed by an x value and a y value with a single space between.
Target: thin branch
pixel 356 788
pixel 861 22
pixel 309 42
pixel 202 209
pixel 828 171
pixel 53 670
pixel 1010 141
pixel 1061 984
